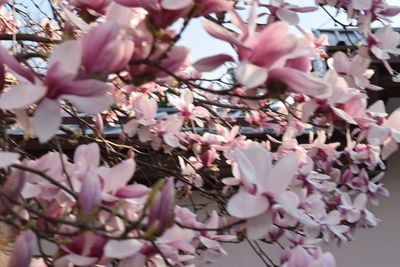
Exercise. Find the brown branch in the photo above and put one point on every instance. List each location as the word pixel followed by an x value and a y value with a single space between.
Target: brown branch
pixel 27 37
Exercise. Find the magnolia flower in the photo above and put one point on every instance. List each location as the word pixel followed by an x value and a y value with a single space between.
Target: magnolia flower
pixel 264 57
pixel 287 12
pixel 106 48
pixel 165 12
pixel 354 70
pixel 355 210
pixel 60 82
pixel 161 210
pixel 300 257
pixel 263 185
pixel 189 111
pixel 384 41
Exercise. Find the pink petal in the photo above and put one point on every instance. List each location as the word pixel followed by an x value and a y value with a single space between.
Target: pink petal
pixel 63 54
pixel 394 120
pixel 22 95
pixel 211 63
pixel 299 81
pixel 7 158
pixel 258 227
pixel 288 15
pixel 282 174
pixel 209 243
pixel 88 153
pixel 77 21
pixel 341 62
pixel 273 44
pixel 175 4
pixel 221 33
pixel 90 104
pixel 250 75
pixel 245 205
pixel 90 194
pixel 254 165
pixel 171 140
pixel 81 260
pixel 360 201
pixel 136 260
pixel 389 149
pixel 304 9
pixel 120 249
pixel 86 88
pixel 362 4
pixel 377 134
pixel 378 108
pixel 47 119
pixel 120 174
pixel 343 115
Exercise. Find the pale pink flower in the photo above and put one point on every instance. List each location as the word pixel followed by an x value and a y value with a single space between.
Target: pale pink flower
pixel 287 12
pixel 187 109
pixel 61 82
pixel 264 57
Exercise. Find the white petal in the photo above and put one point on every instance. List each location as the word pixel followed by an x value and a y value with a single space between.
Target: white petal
pixel 22 95
pixel 245 205
pixel 68 54
pixel 120 249
pixel 7 158
pixel 282 174
pixel 90 104
pixel 80 260
pixel 47 119
pixel 175 4
pixel 258 227
pixel 250 75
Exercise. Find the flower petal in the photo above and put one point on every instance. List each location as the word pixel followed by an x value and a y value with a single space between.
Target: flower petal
pixel 245 205
pixel 282 174
pixel 120 249
pixel 90 104
pixel 258 227
pixel 22 95
pixel 175 4
pixel 7 158
pixel 63 54
pixel 211 63
pixel 300 82
pixel 254 165
pixel 250 75
pixel 47 119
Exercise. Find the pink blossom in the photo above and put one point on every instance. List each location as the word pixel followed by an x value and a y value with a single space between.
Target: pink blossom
pixel 107 47
pixel 60 83
pixel 161 210
pixel 185 105
pixel 263 58
pixel 286 12
pixel 300 257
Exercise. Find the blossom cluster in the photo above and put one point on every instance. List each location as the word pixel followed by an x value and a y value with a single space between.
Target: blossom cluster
pixel 123 201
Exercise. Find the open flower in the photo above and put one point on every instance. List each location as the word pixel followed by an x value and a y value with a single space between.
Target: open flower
pixel 61 82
